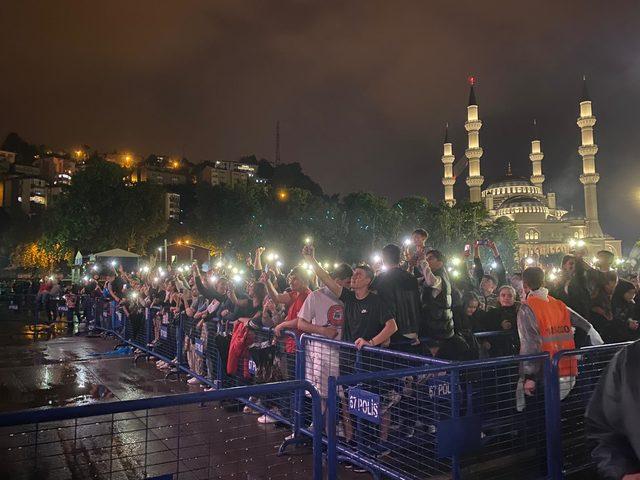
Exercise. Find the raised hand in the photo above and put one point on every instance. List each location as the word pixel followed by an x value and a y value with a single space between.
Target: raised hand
pixel 308 252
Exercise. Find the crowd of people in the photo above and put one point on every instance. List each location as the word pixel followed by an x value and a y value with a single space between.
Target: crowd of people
pixel 413 303
pixel 410 299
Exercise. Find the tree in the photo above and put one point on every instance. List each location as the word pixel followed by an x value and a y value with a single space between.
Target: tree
pixel 40 256
pixel 25 152
pixel 413 212
pixel 369 222
pixel 98 211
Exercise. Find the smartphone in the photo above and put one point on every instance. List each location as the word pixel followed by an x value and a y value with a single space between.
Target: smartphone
pixel 467 249
pixel 483 242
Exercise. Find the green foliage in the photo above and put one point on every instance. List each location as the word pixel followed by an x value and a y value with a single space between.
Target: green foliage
pixel 349 229
pixel 98 211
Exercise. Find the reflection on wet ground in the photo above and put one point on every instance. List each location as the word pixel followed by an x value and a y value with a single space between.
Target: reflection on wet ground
pixel 52 369
pixel 55 369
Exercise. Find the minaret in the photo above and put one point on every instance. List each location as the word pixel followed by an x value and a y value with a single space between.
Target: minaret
pixel 448 180
pixel 536 156
pixel 587 151
pixel 473 152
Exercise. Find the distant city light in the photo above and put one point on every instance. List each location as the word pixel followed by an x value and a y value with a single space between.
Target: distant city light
pixel 282 194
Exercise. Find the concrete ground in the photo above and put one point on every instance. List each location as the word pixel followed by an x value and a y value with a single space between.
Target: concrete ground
pixel 191 442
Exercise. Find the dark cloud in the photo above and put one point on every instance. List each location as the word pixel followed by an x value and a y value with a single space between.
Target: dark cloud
pixel 362 88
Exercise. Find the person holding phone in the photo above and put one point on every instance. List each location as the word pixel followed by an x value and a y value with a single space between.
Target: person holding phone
pixel 487 283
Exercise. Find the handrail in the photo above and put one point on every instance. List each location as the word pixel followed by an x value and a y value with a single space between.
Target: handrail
pixel 360 377
pixel 579 351
pixel 24 417
pixel 382 351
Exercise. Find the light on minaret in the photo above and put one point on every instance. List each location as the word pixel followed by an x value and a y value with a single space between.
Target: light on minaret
pixel 448 179
pixel 536 156
pixel 473 152
pixel 587 151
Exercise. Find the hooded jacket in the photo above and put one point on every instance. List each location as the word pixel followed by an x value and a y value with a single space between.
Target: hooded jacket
pixel 612 416
pixel 399 290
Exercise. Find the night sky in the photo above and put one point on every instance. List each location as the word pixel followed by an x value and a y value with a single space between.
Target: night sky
pixel 362 89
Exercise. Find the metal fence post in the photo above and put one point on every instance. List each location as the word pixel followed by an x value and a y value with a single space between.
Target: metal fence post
pixel 552 417
pixel 316 415
pixel 299 394
pixel 332 408
pixel 179 341
pixel 455 412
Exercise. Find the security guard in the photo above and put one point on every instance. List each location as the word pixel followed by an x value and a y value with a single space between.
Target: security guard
pixel 547 325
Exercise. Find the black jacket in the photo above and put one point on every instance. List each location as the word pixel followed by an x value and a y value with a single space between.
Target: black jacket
pixel 438 316
pixel 612 416
pixel 399 290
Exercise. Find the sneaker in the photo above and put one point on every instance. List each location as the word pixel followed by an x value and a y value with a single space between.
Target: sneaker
pixel 358 469
pixel 266 418
pixel 209 389
pixel 290 437
pixel 193 381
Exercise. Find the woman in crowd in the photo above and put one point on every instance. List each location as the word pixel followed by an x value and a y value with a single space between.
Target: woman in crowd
pixel 601 314
pixel 467 321
pixel 502 319
pixel 624 312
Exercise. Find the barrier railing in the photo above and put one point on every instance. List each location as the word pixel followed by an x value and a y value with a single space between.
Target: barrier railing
pixel 492 425
pixel 457 420
pixel 181 436
pixel 568 432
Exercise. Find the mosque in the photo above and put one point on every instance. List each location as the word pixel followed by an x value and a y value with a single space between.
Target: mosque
pixel 544 228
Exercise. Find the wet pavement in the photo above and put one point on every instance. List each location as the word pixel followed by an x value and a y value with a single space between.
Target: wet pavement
pixel 59 370
pixel 191 442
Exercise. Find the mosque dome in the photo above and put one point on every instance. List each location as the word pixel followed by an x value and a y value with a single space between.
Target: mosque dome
pixel 522 204
pixel 510 181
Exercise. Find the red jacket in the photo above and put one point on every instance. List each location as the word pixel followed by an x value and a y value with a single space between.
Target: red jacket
pixel 241 338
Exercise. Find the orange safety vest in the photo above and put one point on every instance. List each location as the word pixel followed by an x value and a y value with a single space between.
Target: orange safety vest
pixel 556 332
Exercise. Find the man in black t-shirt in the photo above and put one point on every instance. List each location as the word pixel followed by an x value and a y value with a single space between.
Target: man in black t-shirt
pixel 368 321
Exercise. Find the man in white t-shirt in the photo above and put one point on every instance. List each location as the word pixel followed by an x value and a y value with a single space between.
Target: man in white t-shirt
pixel 323 314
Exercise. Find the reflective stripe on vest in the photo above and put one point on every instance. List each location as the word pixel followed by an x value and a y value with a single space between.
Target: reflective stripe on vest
pixel 556 333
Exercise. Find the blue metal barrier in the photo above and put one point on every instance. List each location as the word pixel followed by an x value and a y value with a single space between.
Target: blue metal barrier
pixel 567 426
pixel 423 396
pixel 148 439
pixel 468 426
